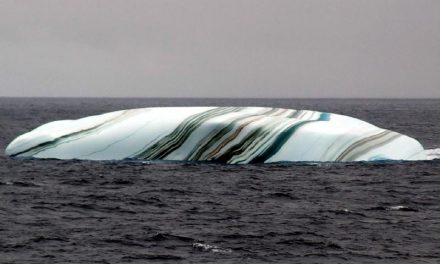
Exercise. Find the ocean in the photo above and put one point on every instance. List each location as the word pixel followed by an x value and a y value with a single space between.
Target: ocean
pixel 70 211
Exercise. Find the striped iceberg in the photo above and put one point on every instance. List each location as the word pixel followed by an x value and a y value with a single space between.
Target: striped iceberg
pixel 233 135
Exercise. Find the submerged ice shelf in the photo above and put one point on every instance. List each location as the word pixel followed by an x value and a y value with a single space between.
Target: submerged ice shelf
pixel 233 135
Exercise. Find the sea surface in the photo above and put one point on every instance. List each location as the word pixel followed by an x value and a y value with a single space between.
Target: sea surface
pixel 58 211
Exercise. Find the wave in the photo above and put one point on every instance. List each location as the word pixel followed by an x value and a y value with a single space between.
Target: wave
pixel 432 153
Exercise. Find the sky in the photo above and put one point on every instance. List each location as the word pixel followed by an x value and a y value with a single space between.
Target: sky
pixel 220 48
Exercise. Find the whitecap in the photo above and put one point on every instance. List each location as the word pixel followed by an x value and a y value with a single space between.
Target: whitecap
pixel 211 248
pixel 432 153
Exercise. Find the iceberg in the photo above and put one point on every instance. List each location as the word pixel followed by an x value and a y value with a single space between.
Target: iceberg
pixel 231 135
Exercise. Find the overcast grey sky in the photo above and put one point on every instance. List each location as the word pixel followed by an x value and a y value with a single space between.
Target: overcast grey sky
pixel 220 48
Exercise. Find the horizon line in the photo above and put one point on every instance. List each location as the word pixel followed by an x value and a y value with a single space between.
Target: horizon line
pixel 201 97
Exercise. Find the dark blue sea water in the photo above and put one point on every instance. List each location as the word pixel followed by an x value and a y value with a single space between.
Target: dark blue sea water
pixel 54 211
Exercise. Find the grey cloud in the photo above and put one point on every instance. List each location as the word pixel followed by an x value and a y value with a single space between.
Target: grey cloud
pixel 224 48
